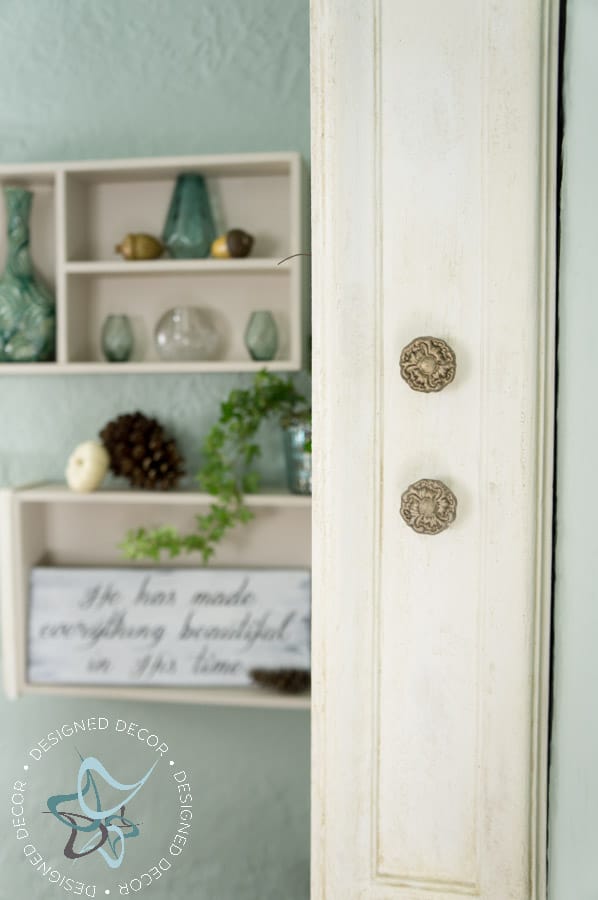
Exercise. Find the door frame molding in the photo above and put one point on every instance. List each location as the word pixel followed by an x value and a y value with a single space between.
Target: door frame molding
pixel 345 43
pixel 545 437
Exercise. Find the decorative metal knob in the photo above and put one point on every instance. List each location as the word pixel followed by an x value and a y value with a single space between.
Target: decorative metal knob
pixel 428 364
pixel 428 506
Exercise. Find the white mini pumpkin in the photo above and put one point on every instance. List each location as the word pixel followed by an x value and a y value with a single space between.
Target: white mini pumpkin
pixel 87 466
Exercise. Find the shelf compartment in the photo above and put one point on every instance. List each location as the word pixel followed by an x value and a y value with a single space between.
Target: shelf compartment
pixel 63 528
pixel 228 301
pixel 49 525
pixel 105 204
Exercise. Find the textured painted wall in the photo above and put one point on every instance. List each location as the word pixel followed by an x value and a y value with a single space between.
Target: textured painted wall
pixel 574 770
pixel 107 78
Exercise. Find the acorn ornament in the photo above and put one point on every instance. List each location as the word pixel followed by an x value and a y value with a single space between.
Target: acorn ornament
pixel 140 246
pixel 235 244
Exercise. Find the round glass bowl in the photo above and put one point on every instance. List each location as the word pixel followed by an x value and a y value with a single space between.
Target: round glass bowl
pixel 186 334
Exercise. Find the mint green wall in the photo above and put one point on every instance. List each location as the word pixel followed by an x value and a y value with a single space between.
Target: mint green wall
pixel 574 770
pixel 112 78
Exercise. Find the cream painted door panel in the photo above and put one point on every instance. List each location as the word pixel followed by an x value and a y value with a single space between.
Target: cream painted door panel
pixel 433 215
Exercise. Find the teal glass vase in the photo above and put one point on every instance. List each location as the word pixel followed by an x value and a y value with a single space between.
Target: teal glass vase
pixel 27 309
pixel 261 336
pixel 117 338
pixel 189 231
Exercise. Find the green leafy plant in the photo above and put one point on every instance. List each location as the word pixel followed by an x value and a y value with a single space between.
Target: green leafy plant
pixel 230 449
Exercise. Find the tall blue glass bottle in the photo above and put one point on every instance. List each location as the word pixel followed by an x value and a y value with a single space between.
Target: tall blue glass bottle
pixel 189 230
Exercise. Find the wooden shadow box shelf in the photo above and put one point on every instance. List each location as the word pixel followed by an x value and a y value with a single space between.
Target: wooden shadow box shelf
pixel 82 209
pixel 49 525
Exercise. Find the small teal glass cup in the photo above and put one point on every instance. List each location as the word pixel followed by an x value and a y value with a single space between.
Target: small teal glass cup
pixel 261 336
pixel 117 338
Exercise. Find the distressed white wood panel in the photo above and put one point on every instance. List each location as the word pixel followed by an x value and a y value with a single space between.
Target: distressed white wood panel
pixel 427 754
pixel 433 213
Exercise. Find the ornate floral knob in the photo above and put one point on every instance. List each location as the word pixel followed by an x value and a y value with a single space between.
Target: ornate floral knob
pixel 428 506
pixel 428 364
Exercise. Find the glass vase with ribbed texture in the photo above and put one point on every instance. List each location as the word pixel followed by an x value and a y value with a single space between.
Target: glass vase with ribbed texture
pixel 261 336
pixel 27 309
pixel 117 338
pixel 189 230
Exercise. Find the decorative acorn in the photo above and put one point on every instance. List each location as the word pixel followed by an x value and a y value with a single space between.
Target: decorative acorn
pixel 140 450
pixel 287 681
pixel 140 246
pixel 236 243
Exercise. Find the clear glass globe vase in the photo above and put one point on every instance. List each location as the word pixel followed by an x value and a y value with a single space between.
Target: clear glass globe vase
pixel 186 334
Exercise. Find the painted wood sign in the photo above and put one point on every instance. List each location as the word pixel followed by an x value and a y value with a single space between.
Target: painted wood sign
pixel 178 627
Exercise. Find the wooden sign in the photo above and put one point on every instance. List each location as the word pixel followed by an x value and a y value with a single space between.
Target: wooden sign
pixel 182 627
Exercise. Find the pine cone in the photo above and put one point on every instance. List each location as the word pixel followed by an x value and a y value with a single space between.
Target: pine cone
pixel 287 681
pixel 140 450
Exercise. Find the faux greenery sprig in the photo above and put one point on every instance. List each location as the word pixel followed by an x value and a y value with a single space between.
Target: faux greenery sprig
pixel 229 451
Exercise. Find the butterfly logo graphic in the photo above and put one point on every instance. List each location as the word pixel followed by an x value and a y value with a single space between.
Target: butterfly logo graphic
pixel 106 830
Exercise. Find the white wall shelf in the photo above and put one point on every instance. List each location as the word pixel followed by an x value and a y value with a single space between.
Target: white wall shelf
pixel 61 493
pixel 140 368
pixel 50 525
pixel 174 266
pixel 82 209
